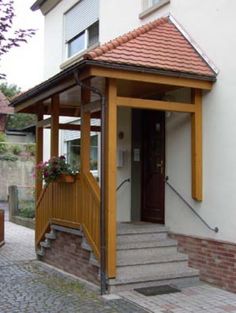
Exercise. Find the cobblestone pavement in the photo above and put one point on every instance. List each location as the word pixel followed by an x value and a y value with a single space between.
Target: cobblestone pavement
pixel 202 298
pixel 29 286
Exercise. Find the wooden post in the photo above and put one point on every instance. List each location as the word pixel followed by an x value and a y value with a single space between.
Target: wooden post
pixel 39 152
pixel 85 132
pixel 55 109
pixel 110 175
pixel 196 123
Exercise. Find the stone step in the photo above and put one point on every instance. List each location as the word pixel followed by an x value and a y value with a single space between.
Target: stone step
pixel 45 244
pixel 149 256
pixel 149 269
pixel 141 237
pixel 133 245
pixel 139 228
pixel 51 235
pixel 40 252
pixel 185 278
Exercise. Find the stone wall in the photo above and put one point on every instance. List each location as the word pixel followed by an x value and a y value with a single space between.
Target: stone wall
pixel 216 260
pixel 19 173
pixel 67 254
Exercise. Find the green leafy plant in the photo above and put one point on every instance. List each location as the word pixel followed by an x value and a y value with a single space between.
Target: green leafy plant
pixel 16 149
pixel 30 148
pixel 27 212
pixel 49 171
pixel 3 146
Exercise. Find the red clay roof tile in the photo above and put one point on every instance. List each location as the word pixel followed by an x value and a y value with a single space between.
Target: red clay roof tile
pixel 158 45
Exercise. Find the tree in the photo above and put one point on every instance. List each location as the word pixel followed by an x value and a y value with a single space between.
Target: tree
pixel 17 120
pixel 10 38
pixel 9 90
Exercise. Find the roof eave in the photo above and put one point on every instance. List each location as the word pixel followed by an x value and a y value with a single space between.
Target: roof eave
pixel 37 4
pixel 51 82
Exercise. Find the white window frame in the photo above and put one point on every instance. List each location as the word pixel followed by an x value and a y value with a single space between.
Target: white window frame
pixel 149 7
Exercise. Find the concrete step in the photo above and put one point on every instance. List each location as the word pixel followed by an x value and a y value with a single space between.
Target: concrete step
pixel 146 244
pixel 40 252
pixel 45 244
pixel 149 256
pixel 149 269
pixel 138 228
pixel 141 237
pixel 51 235
pixel 185 278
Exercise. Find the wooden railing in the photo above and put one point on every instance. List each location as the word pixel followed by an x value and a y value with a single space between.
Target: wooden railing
pixel 71 205
pixel 90 211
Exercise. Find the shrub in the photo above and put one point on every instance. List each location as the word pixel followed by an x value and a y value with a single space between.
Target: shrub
pixel 31 149
pixel 3 146
pixel 16 149
pixel 28 212
pixel 8 157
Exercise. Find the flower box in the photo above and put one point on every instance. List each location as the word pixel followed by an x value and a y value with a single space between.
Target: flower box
pixel 65 178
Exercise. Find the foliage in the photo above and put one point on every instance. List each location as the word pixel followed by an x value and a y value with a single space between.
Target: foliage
pixel 3 146
pixel 16 149
pixel 20 120
pixel 8 157
pixel 28 211
pixel 49 171
pixel 9 90
pixel 31 149
pixel 10 38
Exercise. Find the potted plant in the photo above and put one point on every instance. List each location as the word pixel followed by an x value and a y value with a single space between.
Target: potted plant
pixel 56 170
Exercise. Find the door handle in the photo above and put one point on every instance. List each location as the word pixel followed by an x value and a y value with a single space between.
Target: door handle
pixel 161 166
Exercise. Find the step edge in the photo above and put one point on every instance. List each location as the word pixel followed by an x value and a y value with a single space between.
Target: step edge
pixel 152 263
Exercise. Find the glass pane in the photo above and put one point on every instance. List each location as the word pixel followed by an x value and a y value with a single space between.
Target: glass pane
pixel 93 34
pixel 73 153
pixel 155 1
pixel 76 45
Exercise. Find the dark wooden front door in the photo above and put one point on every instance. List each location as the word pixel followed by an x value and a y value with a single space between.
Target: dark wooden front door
pixel 153 167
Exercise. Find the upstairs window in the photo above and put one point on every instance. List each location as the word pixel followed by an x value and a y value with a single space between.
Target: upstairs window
pixel 81 26
pixel 150 6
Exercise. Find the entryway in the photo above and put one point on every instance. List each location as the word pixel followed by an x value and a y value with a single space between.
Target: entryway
pixel 148 166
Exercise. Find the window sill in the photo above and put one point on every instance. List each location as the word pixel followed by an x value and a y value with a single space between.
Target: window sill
pixel 77 57
pixel 153 8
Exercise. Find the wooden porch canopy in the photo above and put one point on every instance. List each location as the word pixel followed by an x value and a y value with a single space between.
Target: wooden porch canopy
pixel 130 71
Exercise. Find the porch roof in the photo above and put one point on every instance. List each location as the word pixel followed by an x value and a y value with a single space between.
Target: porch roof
pixel 158 48
pixel 161 44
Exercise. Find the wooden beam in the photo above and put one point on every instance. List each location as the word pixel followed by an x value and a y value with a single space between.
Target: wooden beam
pixel 110 176
pixel 155 105
pixel 151 78
pixel 44 123
pixel 85 132
pixel 78 127
pixel 196 125
pixel 55 125
pixel 39 155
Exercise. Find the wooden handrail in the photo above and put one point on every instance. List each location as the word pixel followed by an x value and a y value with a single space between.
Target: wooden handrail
pixel 92 183
pixel 41 196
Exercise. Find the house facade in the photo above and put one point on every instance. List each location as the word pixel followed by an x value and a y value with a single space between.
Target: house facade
pixel 171 77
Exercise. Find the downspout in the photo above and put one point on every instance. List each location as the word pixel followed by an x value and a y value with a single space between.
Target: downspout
pixel 103 279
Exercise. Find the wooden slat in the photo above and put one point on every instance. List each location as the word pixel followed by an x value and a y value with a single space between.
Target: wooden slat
pixel 151 78
pixel 65 223
pixel 196 123
pixel 155 105
pixel 55 125
pixel 110 175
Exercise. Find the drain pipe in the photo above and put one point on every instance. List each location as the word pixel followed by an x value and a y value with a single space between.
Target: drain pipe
pixel 103 279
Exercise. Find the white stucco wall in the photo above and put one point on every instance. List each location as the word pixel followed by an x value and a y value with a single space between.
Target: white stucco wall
pixel 124 172
pixel 212 25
